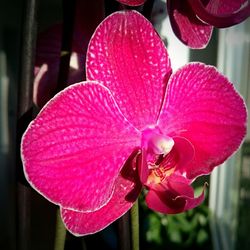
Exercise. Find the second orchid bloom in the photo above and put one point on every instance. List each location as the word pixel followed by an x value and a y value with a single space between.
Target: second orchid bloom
pixel 131 124
pixel 193 20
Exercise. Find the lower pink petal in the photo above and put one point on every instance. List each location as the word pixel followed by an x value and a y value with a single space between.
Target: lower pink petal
pixel 74 150
pixel 202 106
pixel 127 189
pixel 187 26
pixel 173 196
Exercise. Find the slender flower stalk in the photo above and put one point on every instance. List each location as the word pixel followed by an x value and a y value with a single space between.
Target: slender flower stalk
pixel 60 234
pixel 134 213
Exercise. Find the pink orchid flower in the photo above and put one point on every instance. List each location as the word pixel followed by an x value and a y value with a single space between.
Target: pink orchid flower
pixel 132 123
pixel 192 20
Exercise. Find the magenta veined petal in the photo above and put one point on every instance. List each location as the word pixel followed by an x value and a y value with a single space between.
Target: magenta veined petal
pixel 173 196
pixel 127 189
pixel 186 26
pixel 222 13
pixel 202 106
pixel 132 2
pixel 127 55
pixel 74 150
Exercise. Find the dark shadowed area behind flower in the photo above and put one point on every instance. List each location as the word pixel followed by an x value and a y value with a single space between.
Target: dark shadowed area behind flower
pixel 48 50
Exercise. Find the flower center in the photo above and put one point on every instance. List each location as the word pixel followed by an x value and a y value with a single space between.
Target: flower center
pixel 159 157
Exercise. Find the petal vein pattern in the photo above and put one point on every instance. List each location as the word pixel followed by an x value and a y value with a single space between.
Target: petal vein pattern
pixel 126 55
pixel 202 106
pixel 74 150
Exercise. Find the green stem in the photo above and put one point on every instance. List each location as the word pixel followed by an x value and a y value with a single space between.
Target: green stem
pixel 60 232
pixel 134 215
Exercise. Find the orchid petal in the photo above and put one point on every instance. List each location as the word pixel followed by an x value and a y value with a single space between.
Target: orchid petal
pixel 185 151
pixel 74 150
pixel 132 2
pixel 221 13
pixel 186 26
pixel 224 6
pixel 127 189
pixel 126 55
pixel 202 106
pixel 173 196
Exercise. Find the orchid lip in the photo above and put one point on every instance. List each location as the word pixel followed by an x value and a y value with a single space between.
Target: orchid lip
pixel 156 154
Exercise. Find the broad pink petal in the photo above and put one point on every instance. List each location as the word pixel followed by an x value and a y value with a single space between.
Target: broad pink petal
pixel 74 150
pixel 173 196
pixel 202 106
pixel 127 189
pixel 126 55
pixel 132 2
pixel 186 26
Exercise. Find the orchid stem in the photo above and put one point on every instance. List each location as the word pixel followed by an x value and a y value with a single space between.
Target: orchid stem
pixel 60 233
pixel 134 215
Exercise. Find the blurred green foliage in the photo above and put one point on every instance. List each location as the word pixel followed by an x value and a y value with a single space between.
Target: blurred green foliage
pixel 188 230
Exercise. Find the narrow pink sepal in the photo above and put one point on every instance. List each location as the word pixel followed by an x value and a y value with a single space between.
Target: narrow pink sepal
pixel 132 2
pixel 74 150
pixel 173 196
pixel 127 189
pixel 186 26
pixel 127 55
pixel 202 106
